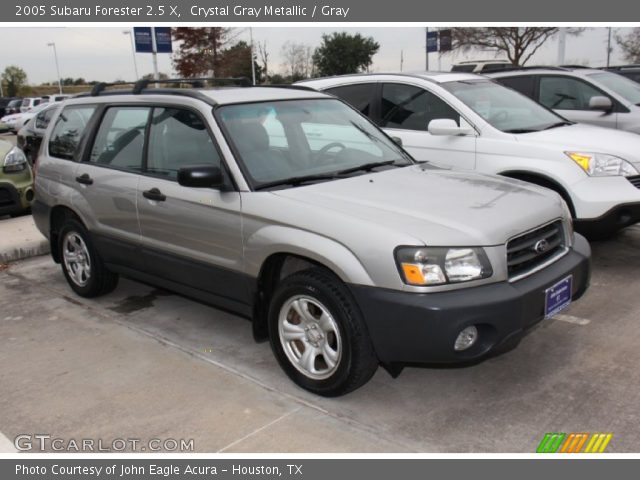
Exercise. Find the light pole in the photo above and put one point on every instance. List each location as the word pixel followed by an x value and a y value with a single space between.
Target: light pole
pixel 253 67
pixel 55 54
pixel 133 52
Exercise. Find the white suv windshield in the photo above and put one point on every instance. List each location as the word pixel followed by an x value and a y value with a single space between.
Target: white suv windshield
pixel 295 142
pixel 503 108
pixel 627 89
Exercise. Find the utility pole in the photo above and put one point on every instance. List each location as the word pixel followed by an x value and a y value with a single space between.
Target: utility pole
pixel 55 54
pixel 609 48
pixel 562 45
pixel 426 47
pixel 154 52
pixel 253 66
pixel 401 59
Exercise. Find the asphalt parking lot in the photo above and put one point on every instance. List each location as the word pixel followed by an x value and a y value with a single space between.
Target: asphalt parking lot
pixel 142 363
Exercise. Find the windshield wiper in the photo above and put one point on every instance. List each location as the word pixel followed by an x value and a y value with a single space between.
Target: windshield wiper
pixel 295 181
pixel 521 130
pixel 558 124
pixel 367 167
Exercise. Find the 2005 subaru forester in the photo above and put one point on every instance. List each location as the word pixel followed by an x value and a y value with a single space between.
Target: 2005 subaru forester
pixel 290 208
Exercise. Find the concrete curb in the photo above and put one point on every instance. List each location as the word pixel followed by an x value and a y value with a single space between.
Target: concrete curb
pixel 20 239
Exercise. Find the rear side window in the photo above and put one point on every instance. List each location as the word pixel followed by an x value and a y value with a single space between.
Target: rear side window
pixel 412 108
pixel 494 66
pixel 70 126
pixel 523 84
pixel 565 93
pixel 468 67
pixel 179 138
pixel 358 96
pixel 119 142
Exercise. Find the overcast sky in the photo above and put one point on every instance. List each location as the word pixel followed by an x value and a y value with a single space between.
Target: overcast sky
pixel 104 53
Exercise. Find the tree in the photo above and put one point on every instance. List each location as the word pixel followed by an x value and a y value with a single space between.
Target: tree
pixel 518 43
pixel 15 78
pixel 263 54
pixel 630 45
pixel 236 62
pixel 161 76
pixel 341 53
pixel 200 50
pixel 79 81
pixel 298 60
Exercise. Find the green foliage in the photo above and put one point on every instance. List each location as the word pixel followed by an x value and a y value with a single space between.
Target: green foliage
pixel 341 53
pixel 14 79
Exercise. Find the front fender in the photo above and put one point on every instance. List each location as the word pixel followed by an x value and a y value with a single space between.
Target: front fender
pixel 272 239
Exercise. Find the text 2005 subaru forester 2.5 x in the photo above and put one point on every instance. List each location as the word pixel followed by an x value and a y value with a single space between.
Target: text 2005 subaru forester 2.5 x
pixel 292 209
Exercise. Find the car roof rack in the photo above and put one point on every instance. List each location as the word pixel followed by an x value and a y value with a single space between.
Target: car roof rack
pixel 142 84
pixel 141 87
pixel 564 68
pixel 622 67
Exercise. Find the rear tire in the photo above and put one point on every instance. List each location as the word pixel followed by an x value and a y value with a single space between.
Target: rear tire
pixel 318 335
pixel 81 264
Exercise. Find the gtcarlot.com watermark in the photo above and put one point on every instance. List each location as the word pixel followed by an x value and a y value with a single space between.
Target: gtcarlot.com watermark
pixel 41 442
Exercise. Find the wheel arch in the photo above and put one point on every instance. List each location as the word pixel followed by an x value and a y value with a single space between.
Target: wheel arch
pixel 543 181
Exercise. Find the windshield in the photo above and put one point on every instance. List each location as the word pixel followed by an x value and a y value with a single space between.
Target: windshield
pixel 627 89
pixel 282 141
pixel 503 108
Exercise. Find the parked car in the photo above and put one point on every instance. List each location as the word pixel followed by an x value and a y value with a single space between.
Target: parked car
pixel 632 72
pixel 469 122
pixel 4 105
pixel 18 120
pixel 16 181
pixel 56 97
pixel 582 95
pixel 13 106
pixel 31 102
pixel 30 135
pixel 477 66
pixel 288 207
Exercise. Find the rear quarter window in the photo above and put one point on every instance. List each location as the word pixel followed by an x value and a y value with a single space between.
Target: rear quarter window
pixel 523 84
pixel 68 130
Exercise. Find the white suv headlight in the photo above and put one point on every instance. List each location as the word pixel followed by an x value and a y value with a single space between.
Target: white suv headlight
pixel 14 161
pixel 602 164
pixel 426 266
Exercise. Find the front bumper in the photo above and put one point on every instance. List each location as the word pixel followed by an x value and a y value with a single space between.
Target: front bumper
pixel 422 328
pixel 618 217
pixel 14 199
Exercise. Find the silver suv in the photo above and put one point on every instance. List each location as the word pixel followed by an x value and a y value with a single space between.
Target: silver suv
pixel 291 209
pixel 583 95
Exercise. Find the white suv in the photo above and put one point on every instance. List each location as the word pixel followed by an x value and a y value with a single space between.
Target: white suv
pixel 470 122
pixel 583 95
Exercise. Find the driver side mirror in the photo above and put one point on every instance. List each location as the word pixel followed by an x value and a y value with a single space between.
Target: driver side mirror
pixel 601 103
pixel 201 176
pixel 397 141
pixel 448 127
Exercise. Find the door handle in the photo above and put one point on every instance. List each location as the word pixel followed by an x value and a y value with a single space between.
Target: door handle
pixel 84 179
pixel 154 194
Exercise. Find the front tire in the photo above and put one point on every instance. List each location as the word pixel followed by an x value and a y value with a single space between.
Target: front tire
pixel 318 335
pixel 81 264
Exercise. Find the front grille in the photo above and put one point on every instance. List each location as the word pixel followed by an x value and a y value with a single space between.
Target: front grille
pixel 635 180
pixel 6 199
pixel 526 252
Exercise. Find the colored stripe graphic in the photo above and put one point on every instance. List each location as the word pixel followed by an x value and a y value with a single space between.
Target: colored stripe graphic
pixel 550 442
pixel 573 442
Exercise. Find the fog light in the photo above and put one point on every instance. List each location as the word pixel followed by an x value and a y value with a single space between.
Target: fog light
pixel 466 339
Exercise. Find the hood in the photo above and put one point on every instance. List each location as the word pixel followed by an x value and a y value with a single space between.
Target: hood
pixel 438 207
pixel 589 138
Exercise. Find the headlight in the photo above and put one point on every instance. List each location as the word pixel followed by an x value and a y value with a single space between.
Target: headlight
pixel 14 161
pixel 439 265
pixel 602 165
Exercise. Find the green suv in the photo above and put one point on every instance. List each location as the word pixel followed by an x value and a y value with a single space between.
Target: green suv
pixel 16 180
